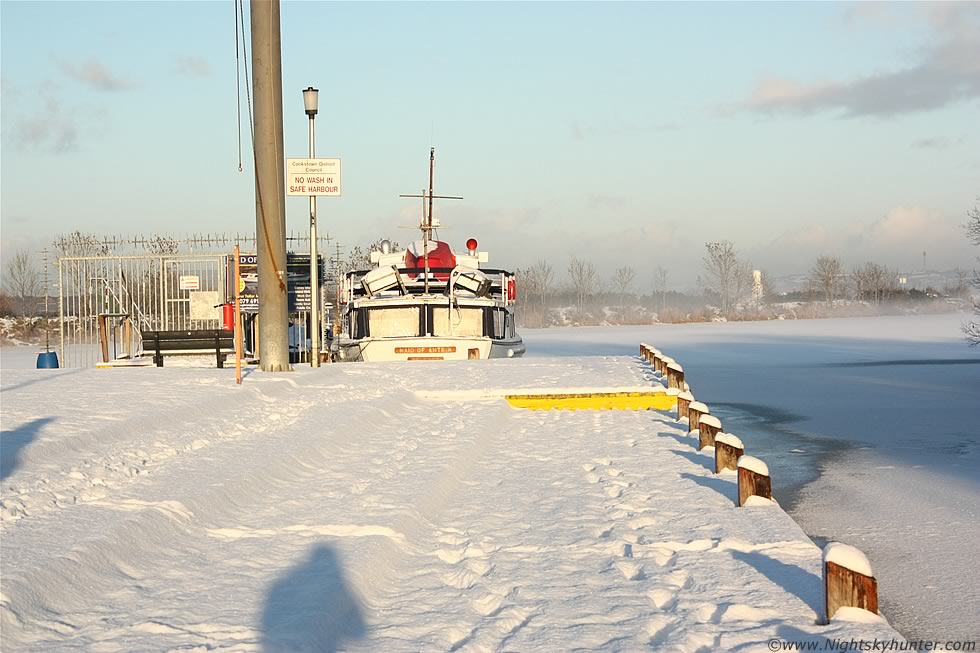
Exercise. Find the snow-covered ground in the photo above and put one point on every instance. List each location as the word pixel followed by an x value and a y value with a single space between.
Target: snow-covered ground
pixel 169 509
pixel 887 409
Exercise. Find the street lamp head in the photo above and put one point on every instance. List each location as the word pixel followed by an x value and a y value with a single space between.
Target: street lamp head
pixel 309 99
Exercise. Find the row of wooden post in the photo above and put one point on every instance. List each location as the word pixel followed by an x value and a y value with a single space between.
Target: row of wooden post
pixel 843 587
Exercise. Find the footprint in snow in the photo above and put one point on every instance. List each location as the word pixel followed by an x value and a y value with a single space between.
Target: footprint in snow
pixel 659 628
pixel 488 605
pixel 631 570
pixel 662 598
pixel 613 491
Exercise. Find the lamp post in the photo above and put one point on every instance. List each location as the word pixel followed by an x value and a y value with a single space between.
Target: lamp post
pixel 310 101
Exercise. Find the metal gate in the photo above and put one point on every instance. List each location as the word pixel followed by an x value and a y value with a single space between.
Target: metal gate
pixel 106 302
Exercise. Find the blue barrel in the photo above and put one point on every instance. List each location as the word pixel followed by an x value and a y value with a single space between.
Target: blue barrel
pixel 47 360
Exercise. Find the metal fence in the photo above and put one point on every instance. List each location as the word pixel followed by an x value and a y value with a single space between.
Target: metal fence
pixel 106 302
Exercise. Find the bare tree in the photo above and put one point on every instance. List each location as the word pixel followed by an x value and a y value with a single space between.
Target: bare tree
pixel 544 279
pixel 583 277
pixel 623 282
pixel 827 274
pixel 22 280
pixel 660 286
pixel 79 244
pixel 162 246
pixel 529 283
pixel 972 329
pixel 872 281
pixel 726 275
pixel 959 287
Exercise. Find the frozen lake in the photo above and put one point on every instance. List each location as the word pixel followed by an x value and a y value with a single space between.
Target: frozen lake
pixel 885 410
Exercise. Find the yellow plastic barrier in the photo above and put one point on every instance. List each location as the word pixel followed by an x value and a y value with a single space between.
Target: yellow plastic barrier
pixel 594 401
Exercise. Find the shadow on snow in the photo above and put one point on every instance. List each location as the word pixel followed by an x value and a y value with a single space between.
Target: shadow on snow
pixel 310 607
pixel 13 442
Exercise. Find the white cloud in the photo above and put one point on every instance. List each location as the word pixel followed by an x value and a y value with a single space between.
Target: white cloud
pixel 947 70
pixel 896 239
pixel 47 126
pixel 96 75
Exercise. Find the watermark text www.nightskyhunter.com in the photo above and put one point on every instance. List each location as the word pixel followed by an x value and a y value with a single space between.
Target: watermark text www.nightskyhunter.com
pixel 847 645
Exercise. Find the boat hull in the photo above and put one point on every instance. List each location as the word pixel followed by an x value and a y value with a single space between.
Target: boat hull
pixel 429 348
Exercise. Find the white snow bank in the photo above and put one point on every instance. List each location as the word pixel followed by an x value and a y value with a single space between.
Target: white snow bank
pixel 332 509
pixel 848 557
pixel 698 406
pixel 730 440
pixel 753 464
pixel 858 616
pixel 755 501
pixel 686 395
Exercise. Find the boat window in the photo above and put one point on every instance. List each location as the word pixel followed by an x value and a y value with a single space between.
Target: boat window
pixel 499 318
pixel 393 322
pixel 464 322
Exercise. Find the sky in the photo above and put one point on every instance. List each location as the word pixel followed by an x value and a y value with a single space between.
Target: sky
pixel 621 133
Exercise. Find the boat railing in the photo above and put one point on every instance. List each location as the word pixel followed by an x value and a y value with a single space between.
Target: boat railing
pixel 415 282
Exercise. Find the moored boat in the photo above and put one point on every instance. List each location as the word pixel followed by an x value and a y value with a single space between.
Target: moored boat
pixel 428 302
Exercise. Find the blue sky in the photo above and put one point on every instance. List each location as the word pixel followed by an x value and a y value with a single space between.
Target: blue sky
pixel 626 133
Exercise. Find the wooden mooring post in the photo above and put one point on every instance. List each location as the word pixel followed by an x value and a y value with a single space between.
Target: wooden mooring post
pixel 708 427
pixel 848 580
pixel 675 376
pixel 728 449
pixel 684 400
pixel 753 479
pixel 695 410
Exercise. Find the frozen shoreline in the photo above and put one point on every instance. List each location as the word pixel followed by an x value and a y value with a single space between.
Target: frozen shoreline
pixel 872 386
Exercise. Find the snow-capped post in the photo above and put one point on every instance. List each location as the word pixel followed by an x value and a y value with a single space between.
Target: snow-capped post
pixel 644 352
pixel 848 580
pixel 753 479
pixel 652 354
pixel 708 427
pixel 675 376
pixel 695 410
pixel 684 400
pixel 728 449
pixel 664 362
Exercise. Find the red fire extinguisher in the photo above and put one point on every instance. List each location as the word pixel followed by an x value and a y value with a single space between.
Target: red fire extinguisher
pixel 228 316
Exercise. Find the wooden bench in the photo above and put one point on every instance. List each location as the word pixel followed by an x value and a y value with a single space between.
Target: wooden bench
pixel 189 342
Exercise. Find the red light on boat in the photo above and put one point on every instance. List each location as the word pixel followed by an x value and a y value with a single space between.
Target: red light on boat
pixel 511 289
pixel 471 245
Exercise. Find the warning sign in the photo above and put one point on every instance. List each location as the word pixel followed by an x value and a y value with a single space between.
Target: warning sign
pixel 189 282
pixel 313 177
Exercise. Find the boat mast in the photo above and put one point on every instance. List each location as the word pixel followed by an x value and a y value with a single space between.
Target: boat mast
pixel 426 225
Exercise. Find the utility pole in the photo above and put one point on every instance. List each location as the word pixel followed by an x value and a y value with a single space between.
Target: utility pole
pixel 270 198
